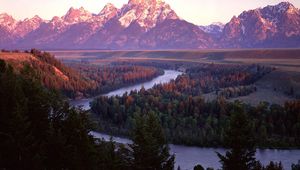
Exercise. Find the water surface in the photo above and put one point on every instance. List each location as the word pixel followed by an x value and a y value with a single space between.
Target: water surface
pixel 187 157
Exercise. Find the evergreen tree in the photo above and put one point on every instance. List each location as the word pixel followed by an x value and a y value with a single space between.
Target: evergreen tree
pixel 15 135
pixel 274 166
pixel 38 130
pixel 296 166
pixel 198 167
pixel 239 138
pixel 149 149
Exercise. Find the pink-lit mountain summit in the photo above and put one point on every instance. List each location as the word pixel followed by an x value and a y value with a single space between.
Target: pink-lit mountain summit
pixel 151 24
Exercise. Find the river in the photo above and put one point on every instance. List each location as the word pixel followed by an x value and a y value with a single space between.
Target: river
pixel 187 157
pixel 165 78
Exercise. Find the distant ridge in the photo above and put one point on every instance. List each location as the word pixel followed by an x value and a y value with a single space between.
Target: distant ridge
pixel 152 24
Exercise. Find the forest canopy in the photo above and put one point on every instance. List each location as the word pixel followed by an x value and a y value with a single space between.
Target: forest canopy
pixel 188 118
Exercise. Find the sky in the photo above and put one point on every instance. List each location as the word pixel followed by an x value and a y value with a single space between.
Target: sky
pixel 200 12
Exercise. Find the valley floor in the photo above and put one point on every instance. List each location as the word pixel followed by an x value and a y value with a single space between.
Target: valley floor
pixel 282 84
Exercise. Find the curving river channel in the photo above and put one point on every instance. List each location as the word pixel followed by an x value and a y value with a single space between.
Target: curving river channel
pixel 187 157
pixel 165 78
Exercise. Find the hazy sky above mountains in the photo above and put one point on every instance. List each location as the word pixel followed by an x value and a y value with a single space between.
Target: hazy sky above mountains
pixel 201 12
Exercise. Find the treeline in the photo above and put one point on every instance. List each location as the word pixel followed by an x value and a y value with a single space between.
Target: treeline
pixel 108 78
pixel 207 78
pixel 174 65
pixel 232 92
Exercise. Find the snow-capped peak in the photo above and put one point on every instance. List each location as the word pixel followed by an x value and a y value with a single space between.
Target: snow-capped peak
pixel 137 2
pixel 27 25
pixel 272 12
pixel 7 21
pixel 108 12
pixel 214 28
pixel 77 15
pixel 35 19
pixel 5 15
pixel 108 9
pixel 284 6
pixel 280 8
pixel 147 13
pixel 219 24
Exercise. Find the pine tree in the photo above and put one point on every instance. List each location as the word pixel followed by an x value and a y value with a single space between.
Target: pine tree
pixel 38 130
pixel 239 138
pixel 274 166
pixel 198 167
pixel 296 166
pixel 149 149
pixel 16 140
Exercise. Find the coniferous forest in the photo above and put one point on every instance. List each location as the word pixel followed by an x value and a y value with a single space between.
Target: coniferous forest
pixel 108 78
pixel 188 119
pixel 78 80
pixel 40 130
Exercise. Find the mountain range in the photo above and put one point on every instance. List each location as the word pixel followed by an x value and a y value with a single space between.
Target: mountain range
pixel 152 24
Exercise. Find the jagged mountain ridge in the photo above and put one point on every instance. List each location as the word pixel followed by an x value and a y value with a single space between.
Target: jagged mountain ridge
pixel 271 26
pixel 152 24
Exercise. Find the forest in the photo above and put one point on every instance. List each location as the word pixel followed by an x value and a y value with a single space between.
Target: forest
pixel 79 80
pixel 229 81
pixel 39 130
pixel 49 71
pixel 111 77
pixel 207 78
pixel 188 119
